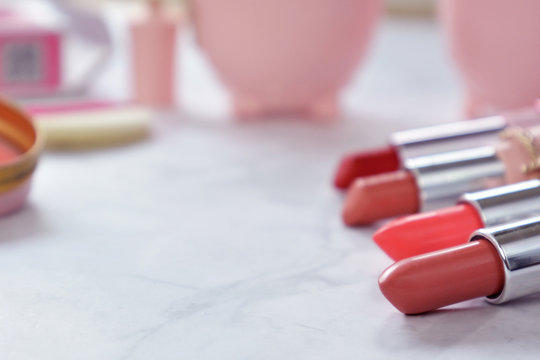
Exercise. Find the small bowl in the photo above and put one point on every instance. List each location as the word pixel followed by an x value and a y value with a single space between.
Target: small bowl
pixel 18 132
pixel 285 56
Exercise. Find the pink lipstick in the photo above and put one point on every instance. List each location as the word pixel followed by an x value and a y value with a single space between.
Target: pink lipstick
pixel 500 263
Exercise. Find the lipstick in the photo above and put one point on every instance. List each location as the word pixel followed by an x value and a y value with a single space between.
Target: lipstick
pixel 408 144
pixel 425 232
pixel 439 180
pixel 500 263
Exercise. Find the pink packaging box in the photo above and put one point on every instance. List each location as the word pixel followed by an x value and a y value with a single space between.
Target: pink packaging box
pixel 30 56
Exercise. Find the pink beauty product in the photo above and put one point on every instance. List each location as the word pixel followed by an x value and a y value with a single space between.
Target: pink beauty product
pixel 495 46
pixel 30 56
pixel 285 56
pixel 20 146
pixel 154 47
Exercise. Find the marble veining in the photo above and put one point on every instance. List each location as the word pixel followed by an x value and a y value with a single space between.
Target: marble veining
pixel 219 240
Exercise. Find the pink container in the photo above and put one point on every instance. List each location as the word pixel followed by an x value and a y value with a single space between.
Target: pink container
pixel 285 56
pixel 496 48
pixel 30 56
pixel 154 47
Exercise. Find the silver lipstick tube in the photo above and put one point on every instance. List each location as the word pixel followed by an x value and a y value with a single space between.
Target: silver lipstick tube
pixel 507 203
pixel 461 134
pixel 447 137
pixel 443 178
pixel 518 244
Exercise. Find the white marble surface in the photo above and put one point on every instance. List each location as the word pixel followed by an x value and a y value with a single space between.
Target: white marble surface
pixel 219 240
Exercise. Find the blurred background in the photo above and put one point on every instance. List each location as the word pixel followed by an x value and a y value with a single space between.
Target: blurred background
pixel 98 47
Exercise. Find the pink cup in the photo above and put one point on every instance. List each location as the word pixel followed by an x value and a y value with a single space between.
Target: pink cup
pixel 496 48
pixel 153 41
pixel 285 56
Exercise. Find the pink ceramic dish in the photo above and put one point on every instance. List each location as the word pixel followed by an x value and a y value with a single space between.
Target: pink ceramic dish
pixel 495 46
pixel 285 56
pixel 14 199
pixel 20 146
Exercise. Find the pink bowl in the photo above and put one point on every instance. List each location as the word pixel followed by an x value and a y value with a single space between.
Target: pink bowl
pixel 495 45
pixel 285 56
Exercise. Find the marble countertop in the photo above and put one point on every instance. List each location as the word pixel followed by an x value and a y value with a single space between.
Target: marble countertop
pixel 221 240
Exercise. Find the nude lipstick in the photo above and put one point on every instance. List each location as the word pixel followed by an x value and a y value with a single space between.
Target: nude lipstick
pixel 425 232
pixel 500 263
pixel 404 145
pixel 435 181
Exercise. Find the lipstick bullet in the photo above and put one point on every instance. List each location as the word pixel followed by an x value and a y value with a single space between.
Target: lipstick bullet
pixel 500 263
pixel 365 163
pixel 408 144
pixel 436 181
pixel 440 179
pixel 425 232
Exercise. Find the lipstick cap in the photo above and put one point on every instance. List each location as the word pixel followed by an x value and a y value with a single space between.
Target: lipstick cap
pixel 447 137
pixel 518 244
pixel 443 178
pixel 507 203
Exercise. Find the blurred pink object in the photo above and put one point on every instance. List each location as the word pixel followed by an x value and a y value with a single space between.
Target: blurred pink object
pixel 496 48
pixel 285 56
pixel 30 56
pixel 14 199
pixel 154 48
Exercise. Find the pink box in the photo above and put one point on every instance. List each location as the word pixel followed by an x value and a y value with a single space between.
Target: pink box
pixel 30 56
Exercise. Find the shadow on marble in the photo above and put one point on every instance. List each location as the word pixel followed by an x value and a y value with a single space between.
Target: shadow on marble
pixel 22 224
pixel 472 324
pixel 344 120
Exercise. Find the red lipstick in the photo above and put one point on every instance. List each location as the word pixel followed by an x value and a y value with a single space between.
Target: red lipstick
pixel 408 144
pixel 501 263
pixel 370 162
pixel 421 233
pixel 440 179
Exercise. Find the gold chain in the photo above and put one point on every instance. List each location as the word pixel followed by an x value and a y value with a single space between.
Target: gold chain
pixel 524 137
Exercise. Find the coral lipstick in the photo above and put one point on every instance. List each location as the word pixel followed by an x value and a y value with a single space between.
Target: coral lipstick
pixel 381 196
pixel 436 181
pixel 501 263
pixel 408 144
pixel 440 179
pixel 421 233
pixel 425 232
pixel 438 279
